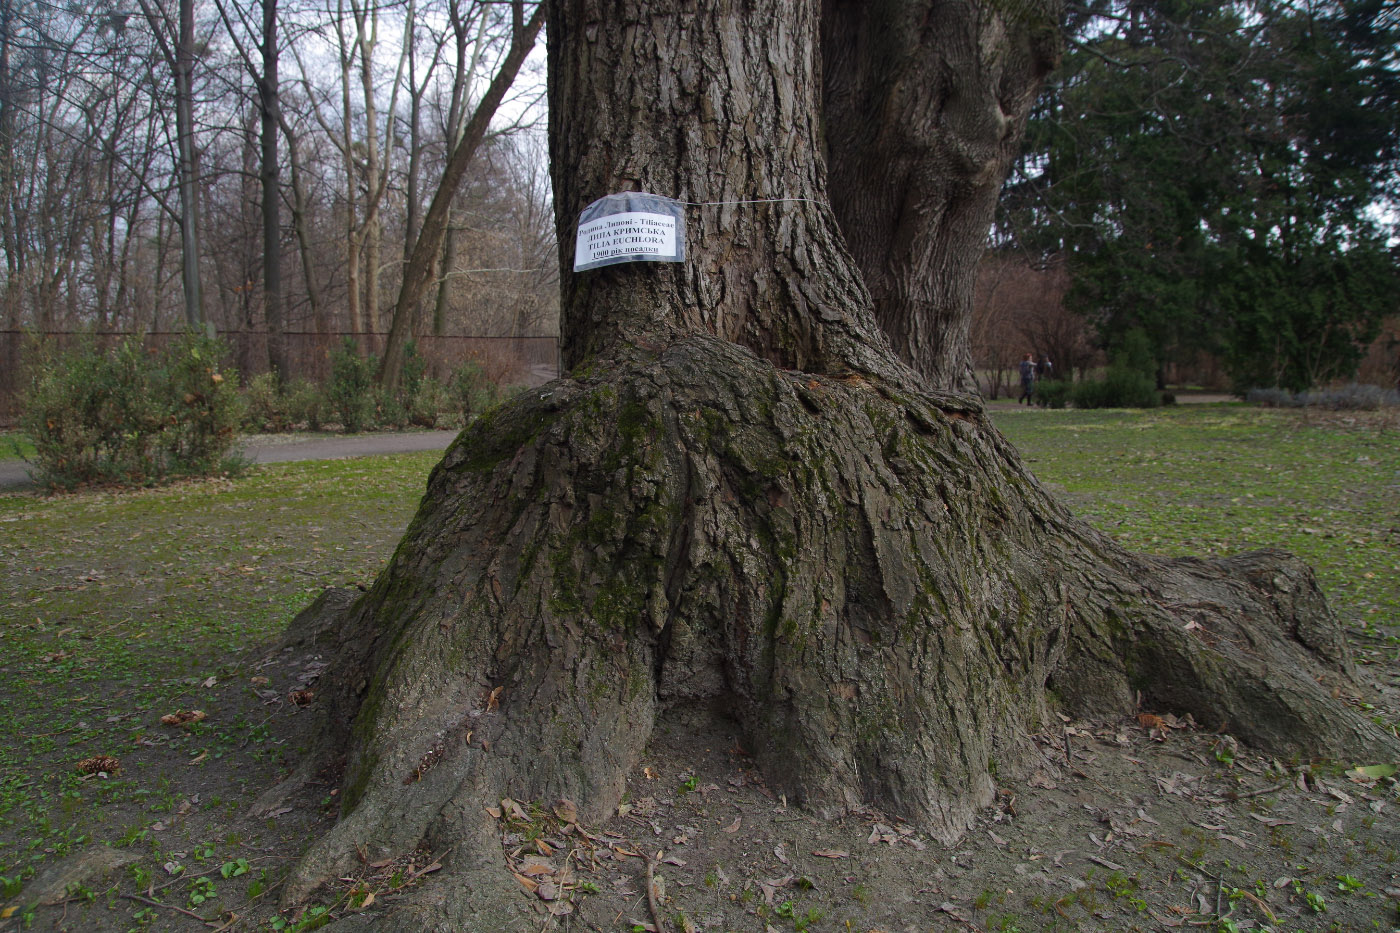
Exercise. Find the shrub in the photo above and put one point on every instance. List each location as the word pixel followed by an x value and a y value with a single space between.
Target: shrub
pixel 1052 393
pixel 469 390
pixel 1271 398
pixel 1128 383
pixel 305 403
pixel 127 416
pixel 419 398
pixel 350 395
pixel 1120 388
pixel 202 407
pixel 428 402
pixel 1351 397
pixel 266 405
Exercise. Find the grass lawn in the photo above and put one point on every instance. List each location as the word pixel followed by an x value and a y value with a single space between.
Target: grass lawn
pixel 14 446
pixel 116 609
pixel 1225 478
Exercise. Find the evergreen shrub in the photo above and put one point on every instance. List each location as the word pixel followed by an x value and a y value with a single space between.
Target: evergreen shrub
pixel 1128 383
pixel 127 416
pixel 1052 393
pixel 351 397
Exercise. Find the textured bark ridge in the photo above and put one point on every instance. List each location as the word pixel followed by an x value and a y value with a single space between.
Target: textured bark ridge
pixel 925 103
pixel 867 580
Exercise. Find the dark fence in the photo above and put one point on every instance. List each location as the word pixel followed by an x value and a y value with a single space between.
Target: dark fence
pixel 505 360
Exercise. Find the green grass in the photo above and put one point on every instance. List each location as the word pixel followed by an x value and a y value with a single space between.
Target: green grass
pixel 116 608
pixel 15 446
pixel 1225 478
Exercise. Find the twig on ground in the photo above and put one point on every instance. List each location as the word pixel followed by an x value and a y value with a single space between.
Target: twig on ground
pixel 1259 793
pixel 652 905
pixel 179 910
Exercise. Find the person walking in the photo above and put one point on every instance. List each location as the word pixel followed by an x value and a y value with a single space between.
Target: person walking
pixel 1027 379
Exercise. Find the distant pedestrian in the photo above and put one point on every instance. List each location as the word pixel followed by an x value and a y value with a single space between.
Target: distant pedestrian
pixel 1027 379
pixel 1044 369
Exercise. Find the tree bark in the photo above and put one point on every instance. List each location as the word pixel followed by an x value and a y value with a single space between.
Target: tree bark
pixel 270 112
pixel 180 57
pixel 925 105
pixel 741 496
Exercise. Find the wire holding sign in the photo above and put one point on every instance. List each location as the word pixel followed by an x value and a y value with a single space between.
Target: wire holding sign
pixel 629 227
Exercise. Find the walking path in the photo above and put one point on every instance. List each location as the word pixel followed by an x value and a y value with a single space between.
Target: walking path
pixel 284 448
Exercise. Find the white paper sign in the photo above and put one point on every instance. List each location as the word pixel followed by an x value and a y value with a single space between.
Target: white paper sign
pixel 633 234
pixel 632 226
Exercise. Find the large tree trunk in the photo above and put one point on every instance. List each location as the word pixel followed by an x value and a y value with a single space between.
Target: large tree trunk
pixel 741 496
pixel 925 103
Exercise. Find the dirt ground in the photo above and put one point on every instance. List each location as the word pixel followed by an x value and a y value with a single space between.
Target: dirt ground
pixel 1117 826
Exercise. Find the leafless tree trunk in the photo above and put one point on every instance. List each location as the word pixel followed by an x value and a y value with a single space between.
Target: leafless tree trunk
pixel 419 270
pixel 270 111
pixel 177 45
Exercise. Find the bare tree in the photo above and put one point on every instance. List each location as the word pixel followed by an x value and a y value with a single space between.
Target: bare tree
pixel 423 262
pixel 175 37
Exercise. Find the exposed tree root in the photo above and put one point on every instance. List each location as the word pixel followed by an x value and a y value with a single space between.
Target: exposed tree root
pixel 870 581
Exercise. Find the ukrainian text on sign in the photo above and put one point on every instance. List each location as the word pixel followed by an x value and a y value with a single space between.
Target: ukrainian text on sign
pixel 632 226
pixel 629 234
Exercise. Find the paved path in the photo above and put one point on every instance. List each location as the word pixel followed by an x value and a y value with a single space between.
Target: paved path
pixel 14 474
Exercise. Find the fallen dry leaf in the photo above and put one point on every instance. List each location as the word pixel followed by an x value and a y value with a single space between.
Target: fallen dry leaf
pixel 734 826
pixel 301 697
pixel 183 717
pixel 493 699
pixel 566 811
pixel 772 886
pixel 831 853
